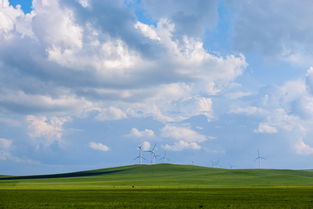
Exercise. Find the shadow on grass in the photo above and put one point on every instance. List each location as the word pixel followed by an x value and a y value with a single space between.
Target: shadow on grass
pixel 63 175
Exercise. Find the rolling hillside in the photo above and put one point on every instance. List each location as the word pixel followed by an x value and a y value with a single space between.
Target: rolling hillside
pixel 163 175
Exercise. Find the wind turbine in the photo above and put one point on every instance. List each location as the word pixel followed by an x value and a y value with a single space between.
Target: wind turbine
pixel 140 155
pixel 164 158
pixel 259 158
pixel 215 163
pixel 153 154
pixel 231 166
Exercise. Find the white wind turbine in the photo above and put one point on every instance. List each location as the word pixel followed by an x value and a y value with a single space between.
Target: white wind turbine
pixel 164 158
pixel 215 163
pixel 231 166
pixel 259 158
pixel 153 154
pixel 140 155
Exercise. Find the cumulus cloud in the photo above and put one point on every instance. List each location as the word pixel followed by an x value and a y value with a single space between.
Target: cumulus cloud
pixel 184 138
pixel 146 133
pixel 184 133
pixel 238 94
pixel 13 20
pixel 182 145
pixel 5 143
pixel 265 128
pixel 89 64
pixel 98 146
pixel 46 130
pixel 146 146
pixel 72 62
pixel 303 149
pixel 250 110
pixel 285 110
pixel 21 102
pixel 111 113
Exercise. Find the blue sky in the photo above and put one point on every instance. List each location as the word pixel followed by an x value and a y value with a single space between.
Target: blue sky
pixel 84 82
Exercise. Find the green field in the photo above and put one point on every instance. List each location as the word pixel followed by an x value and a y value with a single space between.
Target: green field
pixel 160 186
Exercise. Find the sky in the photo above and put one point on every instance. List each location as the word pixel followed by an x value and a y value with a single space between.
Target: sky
pixel 83 83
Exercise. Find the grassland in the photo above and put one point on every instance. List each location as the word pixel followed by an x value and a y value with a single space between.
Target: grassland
pixel 160 186
pixel 163 175
pixel 247 198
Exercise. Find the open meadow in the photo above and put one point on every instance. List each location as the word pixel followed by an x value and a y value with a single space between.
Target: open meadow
pixel 160 186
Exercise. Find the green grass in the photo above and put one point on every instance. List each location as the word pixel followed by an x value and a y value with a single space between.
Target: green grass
pixel 163 175
pixel 247 198
pixel 160 186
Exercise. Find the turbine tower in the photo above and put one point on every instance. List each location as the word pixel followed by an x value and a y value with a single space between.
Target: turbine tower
pixel 140 155
pixel 164 158
pixel 153 154
pixel 231 166
pixel 259 158
pixel 215 163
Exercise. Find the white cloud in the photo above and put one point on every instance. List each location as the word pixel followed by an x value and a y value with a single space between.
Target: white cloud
pixel 13 20
pixel 182 145
pixel 98 146
pixel 280 119
pixel 63 33
pixel 146 146
pixel 147 31
pixel 183 137
pixel 83 63
pixel 19 101
pixel 303 149
pixel 291 91
pixel 250 110
pixel 287 110
pixel 84 3
pixel 205 106
pixel 111 113
pixel 75 64
pixel 5 143
pixel 46 130
pixel 182 133
pixel 239 94
pixel 147 133
pixel 265 128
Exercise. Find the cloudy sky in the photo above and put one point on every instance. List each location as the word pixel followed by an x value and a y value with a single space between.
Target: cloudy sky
pixel 84 82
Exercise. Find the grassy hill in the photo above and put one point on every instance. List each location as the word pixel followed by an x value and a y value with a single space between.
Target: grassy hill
pixel 163 175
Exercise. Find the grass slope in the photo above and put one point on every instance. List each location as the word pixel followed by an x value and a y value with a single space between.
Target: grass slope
pixel 163 175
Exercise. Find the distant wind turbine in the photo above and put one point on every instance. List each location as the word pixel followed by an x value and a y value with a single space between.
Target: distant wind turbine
pixel 140 155
pixel 231 166
pixel 259 158
pixel 215 163
pixel 153 154
pixel 164 157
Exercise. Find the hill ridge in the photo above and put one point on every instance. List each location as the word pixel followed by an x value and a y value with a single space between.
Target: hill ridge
pixel 168 175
